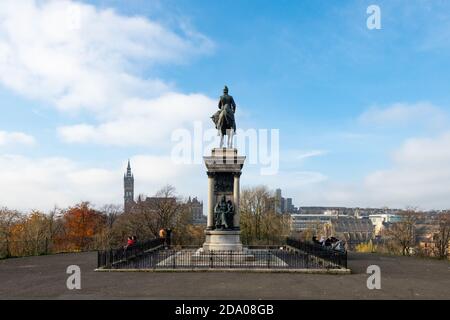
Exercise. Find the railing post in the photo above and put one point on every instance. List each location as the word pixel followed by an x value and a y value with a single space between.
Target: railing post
pixel 108 258
pixel 174 260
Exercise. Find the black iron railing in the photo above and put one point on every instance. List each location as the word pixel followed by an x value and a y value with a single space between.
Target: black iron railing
pixel 155 255
pixel 193 259
pixel 333 256
pixel 109 258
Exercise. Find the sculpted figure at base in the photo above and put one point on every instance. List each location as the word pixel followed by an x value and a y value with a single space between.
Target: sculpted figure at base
pixel 224 118
pixel 223 214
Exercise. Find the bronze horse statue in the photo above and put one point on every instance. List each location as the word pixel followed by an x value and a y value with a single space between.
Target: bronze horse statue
pixel 224 118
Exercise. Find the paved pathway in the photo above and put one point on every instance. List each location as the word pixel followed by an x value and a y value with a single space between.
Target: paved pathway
pixel 402 278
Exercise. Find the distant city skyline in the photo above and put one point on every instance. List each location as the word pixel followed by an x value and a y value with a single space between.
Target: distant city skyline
pixel 363 115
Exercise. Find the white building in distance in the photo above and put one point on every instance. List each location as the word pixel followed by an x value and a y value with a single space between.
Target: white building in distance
pixel 380 221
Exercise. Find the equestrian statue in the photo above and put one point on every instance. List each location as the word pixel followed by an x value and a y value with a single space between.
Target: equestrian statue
pixel 224 118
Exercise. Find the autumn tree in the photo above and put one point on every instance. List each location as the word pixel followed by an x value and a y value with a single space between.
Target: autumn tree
pixel 81 223
pixel 149 215
pixel 168 208
pixel 183 231
pixel 258 220
pixel 109 236
pixel 35 233
pixel 8 220
pixel 194 235
pixel 403 231
pixel 442 237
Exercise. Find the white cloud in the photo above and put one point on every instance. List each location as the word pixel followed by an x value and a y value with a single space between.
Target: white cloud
pixel 299 156
pixel 290 181
pixel 41 183
pixel 14 138
pixel 400 114
pixel 78 57
pixel 419 176
pixel 100 64
pixel 420 152
pixel 312 153
pixel 155 169
pixel 153 172
pixel 143 122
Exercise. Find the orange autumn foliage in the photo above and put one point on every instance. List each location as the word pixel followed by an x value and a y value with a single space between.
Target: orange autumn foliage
pixel 81 224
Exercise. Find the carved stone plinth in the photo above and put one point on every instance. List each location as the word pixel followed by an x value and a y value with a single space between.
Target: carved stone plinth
pixel 223 240
pixel 224 170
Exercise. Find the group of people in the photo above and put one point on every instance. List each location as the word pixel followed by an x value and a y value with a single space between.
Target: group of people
pixel 330 242
pixel 166 234
pixel 131 241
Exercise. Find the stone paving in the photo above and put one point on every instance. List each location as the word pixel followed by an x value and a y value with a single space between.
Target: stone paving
pixel 45 277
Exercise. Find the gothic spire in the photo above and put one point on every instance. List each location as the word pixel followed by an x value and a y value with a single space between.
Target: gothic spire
pixel 129 169
pixel 128 188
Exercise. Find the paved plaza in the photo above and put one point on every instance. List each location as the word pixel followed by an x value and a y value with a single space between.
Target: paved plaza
pixel 45 277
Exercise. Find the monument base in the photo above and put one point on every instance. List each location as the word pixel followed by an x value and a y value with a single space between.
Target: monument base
pixel 228 259
pixel 222 240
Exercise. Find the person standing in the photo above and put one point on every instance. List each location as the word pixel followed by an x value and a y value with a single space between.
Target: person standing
pixel 168 236
pixel 128 245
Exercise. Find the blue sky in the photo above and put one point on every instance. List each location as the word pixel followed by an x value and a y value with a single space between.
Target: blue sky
pixel 362 114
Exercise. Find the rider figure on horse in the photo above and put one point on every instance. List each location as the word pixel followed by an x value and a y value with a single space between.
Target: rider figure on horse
pixel 224 118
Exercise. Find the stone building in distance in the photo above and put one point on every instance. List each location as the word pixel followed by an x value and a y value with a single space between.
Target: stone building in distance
pixel 196 209
pixel 195 206
pixel 284 205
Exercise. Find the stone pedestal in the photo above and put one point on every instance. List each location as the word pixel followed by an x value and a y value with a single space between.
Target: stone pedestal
pixel 224 170
pixel 223 240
